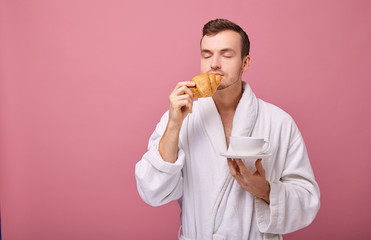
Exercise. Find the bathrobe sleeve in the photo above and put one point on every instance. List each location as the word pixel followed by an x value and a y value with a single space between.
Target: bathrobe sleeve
pixel 158 181
pixel 294 198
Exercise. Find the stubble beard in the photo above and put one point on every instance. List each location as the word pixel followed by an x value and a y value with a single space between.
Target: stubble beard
pixel 221 87
pixel 224 86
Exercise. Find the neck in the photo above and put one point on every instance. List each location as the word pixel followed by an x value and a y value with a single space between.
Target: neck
pixel 227 99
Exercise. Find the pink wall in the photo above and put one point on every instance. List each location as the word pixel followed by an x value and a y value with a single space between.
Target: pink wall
pixel 83 83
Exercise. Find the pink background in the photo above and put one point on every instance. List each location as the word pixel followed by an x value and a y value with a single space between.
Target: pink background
pixel 83 84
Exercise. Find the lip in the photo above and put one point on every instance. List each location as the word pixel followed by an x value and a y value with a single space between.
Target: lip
pixel 217 73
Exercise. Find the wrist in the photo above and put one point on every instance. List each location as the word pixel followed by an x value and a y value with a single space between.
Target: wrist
pixel 173 126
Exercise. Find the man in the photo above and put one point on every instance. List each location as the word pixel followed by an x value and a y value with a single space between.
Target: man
pixel 227 198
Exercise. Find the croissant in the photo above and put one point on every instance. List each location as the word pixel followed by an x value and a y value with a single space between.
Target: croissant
pixel 206 85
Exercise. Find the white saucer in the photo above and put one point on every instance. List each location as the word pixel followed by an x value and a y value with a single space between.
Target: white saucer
pixel 247 156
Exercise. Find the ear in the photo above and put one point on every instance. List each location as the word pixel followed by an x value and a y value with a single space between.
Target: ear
pixel 246 63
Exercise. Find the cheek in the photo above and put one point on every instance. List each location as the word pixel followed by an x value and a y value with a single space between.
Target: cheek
pixel 204 66
pixel 233 66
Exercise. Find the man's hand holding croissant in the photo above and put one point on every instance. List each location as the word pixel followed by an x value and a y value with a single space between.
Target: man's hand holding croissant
pixel 181 102
pixel 181 99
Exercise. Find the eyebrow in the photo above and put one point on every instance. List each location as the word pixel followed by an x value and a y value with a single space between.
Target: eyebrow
pixel 205 51
pixel 227 50
pixel 222 50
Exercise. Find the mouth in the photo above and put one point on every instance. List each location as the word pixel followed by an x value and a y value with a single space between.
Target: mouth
pixel 216 73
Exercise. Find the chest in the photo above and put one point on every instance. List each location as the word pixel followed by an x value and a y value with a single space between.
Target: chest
pixel 227 120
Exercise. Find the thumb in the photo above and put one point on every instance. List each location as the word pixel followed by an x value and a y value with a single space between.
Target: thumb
pixel 259 167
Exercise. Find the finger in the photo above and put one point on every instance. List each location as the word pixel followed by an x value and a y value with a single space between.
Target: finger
pixel 177 90
pixel 259 167
pixel 183 90
pixel 188 93
pixel 189 105
pixel 234 171
pixel 182 103
pixel 182 98
pixel 185 83
pixel 231 165
pixel 243 168
pixel 240 180
pixel 186 90
pixel 233 168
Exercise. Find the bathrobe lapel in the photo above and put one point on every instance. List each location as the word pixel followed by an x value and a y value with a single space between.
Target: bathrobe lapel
pixel 243 124
pixel 246 113
pixel 212 124
pixel 243 121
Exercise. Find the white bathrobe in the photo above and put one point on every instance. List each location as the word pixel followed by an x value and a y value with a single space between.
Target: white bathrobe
pixel 214 205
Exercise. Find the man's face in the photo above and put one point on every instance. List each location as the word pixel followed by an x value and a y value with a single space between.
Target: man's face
pixel 221 54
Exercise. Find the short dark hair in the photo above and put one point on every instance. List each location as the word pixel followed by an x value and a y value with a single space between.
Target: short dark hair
pixel 218 25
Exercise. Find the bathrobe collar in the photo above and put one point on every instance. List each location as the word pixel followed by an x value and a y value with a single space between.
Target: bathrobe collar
pixel 243 124
pixel 243 121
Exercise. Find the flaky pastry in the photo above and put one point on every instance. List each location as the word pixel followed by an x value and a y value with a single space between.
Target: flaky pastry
pixel 206 84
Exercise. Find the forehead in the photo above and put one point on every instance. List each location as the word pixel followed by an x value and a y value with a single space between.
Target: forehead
pixel 222 40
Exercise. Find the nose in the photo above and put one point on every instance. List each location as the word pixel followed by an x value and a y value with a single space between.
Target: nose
pixel 215 63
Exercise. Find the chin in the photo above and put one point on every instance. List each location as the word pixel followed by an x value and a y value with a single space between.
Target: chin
pixel 224 86
pixel 221 87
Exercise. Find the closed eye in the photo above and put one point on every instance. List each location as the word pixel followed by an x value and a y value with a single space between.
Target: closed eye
pixel 206 53
pixel 228 53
